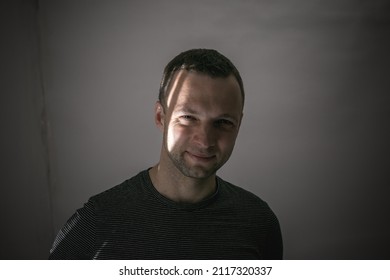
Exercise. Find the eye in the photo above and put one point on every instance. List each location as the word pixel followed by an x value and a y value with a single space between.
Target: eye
pixel 187 119
pixel 224 123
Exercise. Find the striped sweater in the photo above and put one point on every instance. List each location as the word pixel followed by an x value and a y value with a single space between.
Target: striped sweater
pixel 134 221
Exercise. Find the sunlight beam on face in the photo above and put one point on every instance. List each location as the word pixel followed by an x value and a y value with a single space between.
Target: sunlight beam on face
pixel 175 88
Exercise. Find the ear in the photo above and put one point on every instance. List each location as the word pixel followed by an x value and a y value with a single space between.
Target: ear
pixel 159 115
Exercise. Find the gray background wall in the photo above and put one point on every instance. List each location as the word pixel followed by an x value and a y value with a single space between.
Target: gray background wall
pixel 79 80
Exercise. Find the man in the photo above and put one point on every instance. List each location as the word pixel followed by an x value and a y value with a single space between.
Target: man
pixel 179 208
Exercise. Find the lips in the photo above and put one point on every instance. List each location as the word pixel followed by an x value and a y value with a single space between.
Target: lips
pixel 202 157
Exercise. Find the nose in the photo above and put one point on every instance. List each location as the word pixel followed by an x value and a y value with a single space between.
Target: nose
pixel 205 136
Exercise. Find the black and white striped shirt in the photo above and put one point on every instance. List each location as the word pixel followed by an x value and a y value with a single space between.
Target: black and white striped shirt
pixel 134 221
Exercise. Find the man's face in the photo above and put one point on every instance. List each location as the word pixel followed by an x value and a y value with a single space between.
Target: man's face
pixel 200 122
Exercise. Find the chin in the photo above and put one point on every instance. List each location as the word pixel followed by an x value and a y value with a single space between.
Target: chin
pixel 198 172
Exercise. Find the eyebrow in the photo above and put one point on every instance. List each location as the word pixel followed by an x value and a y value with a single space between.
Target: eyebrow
pixel 187 110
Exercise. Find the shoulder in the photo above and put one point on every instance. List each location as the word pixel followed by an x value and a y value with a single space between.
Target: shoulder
pixel 250 208
pixel 124 192
pixel 238 194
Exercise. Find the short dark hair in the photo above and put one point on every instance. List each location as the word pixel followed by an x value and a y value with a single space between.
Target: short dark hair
pixel 206 61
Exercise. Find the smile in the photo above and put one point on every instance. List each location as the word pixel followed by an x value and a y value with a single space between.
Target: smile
pixel 199 157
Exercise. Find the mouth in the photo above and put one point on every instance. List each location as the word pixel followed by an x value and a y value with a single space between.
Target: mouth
pixel 201 157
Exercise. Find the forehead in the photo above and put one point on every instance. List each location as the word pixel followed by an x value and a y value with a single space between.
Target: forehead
pixel 189 88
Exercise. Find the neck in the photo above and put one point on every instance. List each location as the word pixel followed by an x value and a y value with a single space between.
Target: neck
pixel 171 183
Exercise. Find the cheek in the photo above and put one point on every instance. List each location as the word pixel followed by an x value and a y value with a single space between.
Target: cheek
pixel 175 135
pixel 227 142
